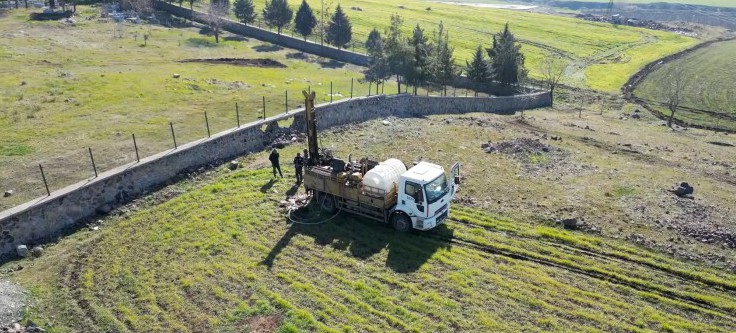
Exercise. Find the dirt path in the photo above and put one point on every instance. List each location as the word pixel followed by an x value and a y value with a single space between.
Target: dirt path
pixel 575 71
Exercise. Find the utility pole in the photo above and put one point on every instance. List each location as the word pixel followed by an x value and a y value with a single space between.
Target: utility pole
pixel 609 12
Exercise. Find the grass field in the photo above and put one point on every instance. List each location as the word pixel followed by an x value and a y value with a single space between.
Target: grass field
pixel 215 253
pixel 67 88
pixel 601 56
pixel 709 97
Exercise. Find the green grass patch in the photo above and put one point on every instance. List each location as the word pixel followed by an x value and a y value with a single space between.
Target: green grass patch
pixel 217 260
pixel 15 150
pixel 623 191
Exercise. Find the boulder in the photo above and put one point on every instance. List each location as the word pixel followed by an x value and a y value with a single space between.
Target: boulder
pixel 233 165
pixel 386 122
pixel 22 251
pixel 176 76
pixel 635 116
pixel 684 189
pixel 36 251
pixel 570 223
pixel 8 193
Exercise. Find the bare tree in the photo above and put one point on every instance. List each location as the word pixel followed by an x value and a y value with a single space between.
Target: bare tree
pixel 215 17
pixel 139 6
pixel 675 88
pixel 552 68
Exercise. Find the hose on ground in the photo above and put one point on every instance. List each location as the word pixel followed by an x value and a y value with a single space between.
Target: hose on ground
pixel 309 221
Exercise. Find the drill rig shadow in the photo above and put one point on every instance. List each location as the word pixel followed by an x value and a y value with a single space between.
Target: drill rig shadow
pixel 362 238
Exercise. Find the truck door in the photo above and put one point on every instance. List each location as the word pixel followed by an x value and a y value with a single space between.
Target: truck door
pixel 455 174
pixel 413 199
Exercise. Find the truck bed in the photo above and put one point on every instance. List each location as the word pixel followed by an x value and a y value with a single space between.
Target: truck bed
pixel 358 199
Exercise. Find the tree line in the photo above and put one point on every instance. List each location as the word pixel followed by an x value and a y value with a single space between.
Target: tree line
pixel 419 61
pixel 278 14
pixel 415 60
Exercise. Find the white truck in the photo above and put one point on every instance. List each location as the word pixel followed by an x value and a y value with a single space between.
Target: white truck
pixel 417 198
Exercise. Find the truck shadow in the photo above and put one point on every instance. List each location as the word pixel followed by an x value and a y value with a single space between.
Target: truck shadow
pixel 362 239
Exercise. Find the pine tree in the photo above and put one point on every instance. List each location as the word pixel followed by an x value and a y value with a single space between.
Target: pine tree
pixel 507 61
pixel 478 70
pixel 421 68
pixel 305 20
pixel 339 31
pixel 377 63
pixel 398 53
pixel 277 13
pixel 446 68
pixel 443 61
pixel 245 11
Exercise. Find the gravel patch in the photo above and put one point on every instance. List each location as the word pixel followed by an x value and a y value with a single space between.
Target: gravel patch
pixel 13 298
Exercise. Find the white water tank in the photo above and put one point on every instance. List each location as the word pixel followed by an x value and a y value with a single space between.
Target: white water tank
pixel 385 175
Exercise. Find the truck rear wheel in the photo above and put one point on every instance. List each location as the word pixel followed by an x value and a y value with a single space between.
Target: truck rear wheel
pixel 328 203
pixel 401 222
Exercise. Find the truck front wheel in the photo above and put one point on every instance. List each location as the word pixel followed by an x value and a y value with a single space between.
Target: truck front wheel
pixel 401 222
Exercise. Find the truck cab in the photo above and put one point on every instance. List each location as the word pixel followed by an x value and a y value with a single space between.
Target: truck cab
pixel 423 196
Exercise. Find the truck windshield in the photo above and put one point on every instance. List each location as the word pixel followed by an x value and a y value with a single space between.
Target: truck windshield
pixel 436 189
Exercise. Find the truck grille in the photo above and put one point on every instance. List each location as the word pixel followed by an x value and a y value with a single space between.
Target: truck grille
pixel 442 217
pixel 440 210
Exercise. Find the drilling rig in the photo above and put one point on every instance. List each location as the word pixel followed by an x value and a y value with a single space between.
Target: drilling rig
pixel 417 198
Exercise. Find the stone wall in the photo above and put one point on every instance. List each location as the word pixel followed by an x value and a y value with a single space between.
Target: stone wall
pixel 271 37
pixel 38 220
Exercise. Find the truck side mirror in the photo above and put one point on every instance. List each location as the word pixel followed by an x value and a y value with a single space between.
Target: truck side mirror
pixel 457 180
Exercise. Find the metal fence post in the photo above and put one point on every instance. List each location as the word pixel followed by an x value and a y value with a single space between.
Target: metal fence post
pixel 173 136
pixel 369 88
pixel 43 175
pixel 286 102
pixel 264 107
pixel 207 122
pixel 352 80
pixel 237 114
pixel 135 145
pixel 331 93
pixel 94 167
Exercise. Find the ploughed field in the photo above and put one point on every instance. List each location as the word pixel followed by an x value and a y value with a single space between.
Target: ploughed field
pixel 216 252
pixel 600 56
pixel 710 83
pixel 69 87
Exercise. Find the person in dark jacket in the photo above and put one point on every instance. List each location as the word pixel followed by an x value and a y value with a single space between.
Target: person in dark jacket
pixel 274 158
pixel 299 166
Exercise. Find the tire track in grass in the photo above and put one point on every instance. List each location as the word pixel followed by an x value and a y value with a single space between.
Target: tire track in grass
pixel 675 274
pixel 695 303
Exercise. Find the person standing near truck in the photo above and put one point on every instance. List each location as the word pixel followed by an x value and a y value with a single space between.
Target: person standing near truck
pixel 299 166
pixel 274 158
